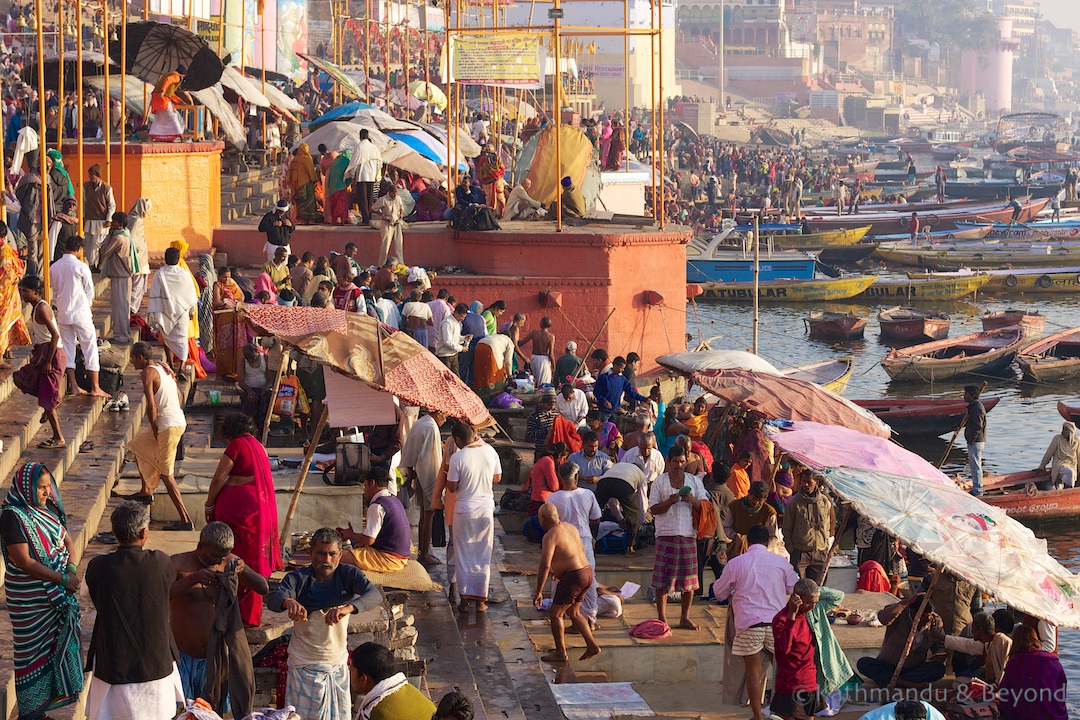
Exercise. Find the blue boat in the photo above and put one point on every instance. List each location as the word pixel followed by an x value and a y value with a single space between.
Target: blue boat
pixel 711 260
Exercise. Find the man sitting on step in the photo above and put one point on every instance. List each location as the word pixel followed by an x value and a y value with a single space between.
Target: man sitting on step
pixel 384 545
pixel 384 694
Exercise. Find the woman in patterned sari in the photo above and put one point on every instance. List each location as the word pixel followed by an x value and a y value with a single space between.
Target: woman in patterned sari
pixel 301 179
pixel 12 326
pixel 41 594
pixel 229 332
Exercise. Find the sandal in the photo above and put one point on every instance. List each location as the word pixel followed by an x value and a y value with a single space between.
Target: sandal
pixel 51 444
pixel 106 538
pixel 179 526
pixel 87 446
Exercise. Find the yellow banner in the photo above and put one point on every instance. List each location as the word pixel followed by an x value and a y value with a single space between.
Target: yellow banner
pixel 499 61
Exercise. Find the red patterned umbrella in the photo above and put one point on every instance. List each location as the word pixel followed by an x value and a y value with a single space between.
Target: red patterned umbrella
pixel 363 348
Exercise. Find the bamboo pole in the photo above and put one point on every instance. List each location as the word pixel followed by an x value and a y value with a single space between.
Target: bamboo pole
pixel 299 488
pixel 285 359
pixel 386 53
pixel 660 109
pixel 44 269
pixel 60 73
pixel 836 533
pixel 556 103
pixel 367 49
pixel 626 84
pixel 106 100
pixel 757 279
pixel 79 109
pixel 123 104
pixel 652 110
pixel 593 342
pixel 914 629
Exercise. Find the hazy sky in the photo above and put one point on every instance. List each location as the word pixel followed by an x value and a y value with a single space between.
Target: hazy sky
pixel 1061 12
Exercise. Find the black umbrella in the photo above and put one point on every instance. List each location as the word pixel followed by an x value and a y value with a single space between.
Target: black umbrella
pixel 155 49
pixel 93 64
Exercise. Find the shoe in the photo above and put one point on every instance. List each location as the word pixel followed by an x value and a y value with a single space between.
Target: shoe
pixel 121 403
pixel 144 498
pixel 975 493
pixel 179 526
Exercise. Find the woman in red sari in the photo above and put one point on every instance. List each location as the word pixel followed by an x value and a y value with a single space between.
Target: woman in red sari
pixel 242 496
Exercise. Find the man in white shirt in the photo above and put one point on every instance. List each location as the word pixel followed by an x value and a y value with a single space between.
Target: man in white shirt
pixel 623 482
pixel 650 461
pixel 73 294
pixel 451 341
pixel 572 404
pixel 578 507
pixel 441 306
pixel 421 458
pixel 416 318
pixel 387 215
pixel 368 163
pixel 759 584
pixel 473 470
pixel 520 205
pixel 384 545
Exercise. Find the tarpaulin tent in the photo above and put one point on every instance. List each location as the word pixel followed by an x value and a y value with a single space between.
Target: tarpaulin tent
pixel 689 362
pixel 967 537
pixel 537 162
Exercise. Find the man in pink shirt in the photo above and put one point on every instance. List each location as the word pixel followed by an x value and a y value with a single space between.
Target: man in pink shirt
pixel 759 583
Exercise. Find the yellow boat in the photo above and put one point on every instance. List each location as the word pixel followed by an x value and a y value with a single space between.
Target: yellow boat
pixel 1019 280
pixel 936 288
pixel 816 241
pixel 832 374
pixel 788 290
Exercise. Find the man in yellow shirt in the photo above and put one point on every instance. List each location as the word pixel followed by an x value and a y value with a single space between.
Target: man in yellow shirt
pixel 278 269
pixel 739 478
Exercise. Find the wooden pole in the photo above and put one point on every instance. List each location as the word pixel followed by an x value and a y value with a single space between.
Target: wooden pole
pixel 591 344
pixel 285 358
pixel 837 533
pixel 106 99
pixel 308 455
pixel 42 167
pixel 123 104
pixel 757 280
pixel 556 106
pixel 79 106
pixel 60 99
pixel 914 629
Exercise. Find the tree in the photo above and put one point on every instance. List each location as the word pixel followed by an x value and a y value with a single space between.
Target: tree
pixel 953 23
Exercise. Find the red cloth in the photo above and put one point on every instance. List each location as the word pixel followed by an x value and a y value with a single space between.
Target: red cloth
pixel 251 511
pixel 543 479
pixel 795 668
pixel 872 577
pixel 564 431
pixel 651 630
pixel 703 450
pixel 339 206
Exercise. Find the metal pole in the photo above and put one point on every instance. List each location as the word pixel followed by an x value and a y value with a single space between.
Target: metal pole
pixel 626 83
pixel 262 45
pixel 106 109
pixel 367 49
pixel 386 54
pixel 757 278
pixel 660 108
pixel 720 57
pixel 556 104
pixel 44 269
pixel 652 109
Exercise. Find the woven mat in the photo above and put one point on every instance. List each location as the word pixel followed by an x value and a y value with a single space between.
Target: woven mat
pixel 412 577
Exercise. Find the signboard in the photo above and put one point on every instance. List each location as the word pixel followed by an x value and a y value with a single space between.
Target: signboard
pixel 606 71
pixel 503 61
pixel 320 31
pixel 209 30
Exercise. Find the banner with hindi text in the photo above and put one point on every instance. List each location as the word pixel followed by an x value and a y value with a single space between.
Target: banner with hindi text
pixel 515 61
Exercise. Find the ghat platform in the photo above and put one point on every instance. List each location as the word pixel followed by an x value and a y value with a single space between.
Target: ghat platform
pixel 575 276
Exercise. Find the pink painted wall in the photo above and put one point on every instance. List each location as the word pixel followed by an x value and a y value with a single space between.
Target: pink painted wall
pixel 595 272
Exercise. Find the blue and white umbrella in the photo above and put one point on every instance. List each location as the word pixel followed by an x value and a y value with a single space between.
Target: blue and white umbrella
pixel 427 146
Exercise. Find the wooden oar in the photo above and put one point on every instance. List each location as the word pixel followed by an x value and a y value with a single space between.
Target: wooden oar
pixel 957 433
pixel 914 629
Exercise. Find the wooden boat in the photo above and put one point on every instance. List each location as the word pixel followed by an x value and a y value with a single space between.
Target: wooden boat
pixel 939 289
pixel 714 259
pixel 817 241
pixel 1033 323
pixel 1033 505
pixel 846 254
pixel 949 152
pixel 892 222
pixel 984 353
pixel 907 323
pixel 1056 357
pixel 902 241
pixel 832 374
pixel 1018 280
pixel 987 258
pixel 835 326
pixel 1069 410
pixel 788 290
pixel 926 417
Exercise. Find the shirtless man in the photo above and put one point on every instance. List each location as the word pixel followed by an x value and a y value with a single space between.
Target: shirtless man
pixel 417 317
pixel 543 352
pixel 192 610
pixel 563 555
pixel 513 330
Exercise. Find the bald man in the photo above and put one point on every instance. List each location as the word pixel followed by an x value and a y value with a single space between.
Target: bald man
pixel 563 555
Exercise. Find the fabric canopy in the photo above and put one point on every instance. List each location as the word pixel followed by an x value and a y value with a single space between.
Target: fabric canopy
pixel 336 73
pixel 280 100
pixel 426 145
pixel 967 537
pixel 244 87
pixel 688 362
pixel 465 144
pixel 135 90
pixel 363 348
pixel 537 162
pixel 784 398
pixel 214 100
pixel 827 446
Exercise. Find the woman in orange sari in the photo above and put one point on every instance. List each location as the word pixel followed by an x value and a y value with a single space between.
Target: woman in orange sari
pixel 302 178
pixel 12 326
pixel 229 333
pixel 166 125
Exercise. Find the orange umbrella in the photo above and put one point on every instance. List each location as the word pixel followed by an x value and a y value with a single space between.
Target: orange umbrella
pixel 783 398
pixel 363 348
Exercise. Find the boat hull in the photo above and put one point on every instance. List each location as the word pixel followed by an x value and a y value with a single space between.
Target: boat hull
pixel 947 289
pixel 885 223
pixel 785 291
pixel 739 271
pixel 819 241
pixel 1053 358
pixel 1069 412
pixel 838 329
pixel 832 374
pixel 1042 506
pixel 922 418
pixel 846 254
pixel 948 260
pixel 1033 280
pixel 916 329
pixel 916 364
pixel 1032 325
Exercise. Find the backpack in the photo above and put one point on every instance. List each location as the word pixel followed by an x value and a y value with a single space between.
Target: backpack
pixel 532 530
pixel 611 544
pixel 515 501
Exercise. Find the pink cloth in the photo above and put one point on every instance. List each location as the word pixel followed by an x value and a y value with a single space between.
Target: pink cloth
pixel 651 630
pixel 263 282
pixel 828 446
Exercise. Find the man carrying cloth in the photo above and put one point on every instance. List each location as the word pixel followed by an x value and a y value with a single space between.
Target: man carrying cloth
pixel 384 546
pixel 173 303
pixel 563 555
pixel 319 599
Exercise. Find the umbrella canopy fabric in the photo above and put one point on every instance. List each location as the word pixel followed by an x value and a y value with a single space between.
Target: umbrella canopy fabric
pixel 967 537
pixel 784 398
pixel 93 64
pixel 363 114
pixel 688 362
pixel 155 49
pixel 427 146
pixel 466 145
pixel 338 135
pixel 342 112
pixel 827 446
pixel 135 89
pixel 344 81
pixel 214 100
pixel 430 92
pixel 280 100
pixel 361 347
pixel 245 88
pixel 405 158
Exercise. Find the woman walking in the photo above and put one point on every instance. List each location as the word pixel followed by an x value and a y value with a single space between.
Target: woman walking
pixel 41 376
pixel 41 594
pixel 12 326
pixel 241 495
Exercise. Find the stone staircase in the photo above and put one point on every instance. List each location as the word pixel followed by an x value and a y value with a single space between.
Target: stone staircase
pixel 249 194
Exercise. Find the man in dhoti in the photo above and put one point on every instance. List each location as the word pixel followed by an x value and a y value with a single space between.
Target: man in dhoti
pixel 473 470
pixel 173 303
pixel 386 216
pixel 520 205
pixel 99 205
pixel 543 349
pixel 166 125
pixel 319 599
pixel 421 458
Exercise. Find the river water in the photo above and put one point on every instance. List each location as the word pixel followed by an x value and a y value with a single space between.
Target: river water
pixel 1018 429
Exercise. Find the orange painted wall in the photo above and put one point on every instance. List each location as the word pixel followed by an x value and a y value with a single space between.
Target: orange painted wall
pixel 594 271
pixel 181 180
